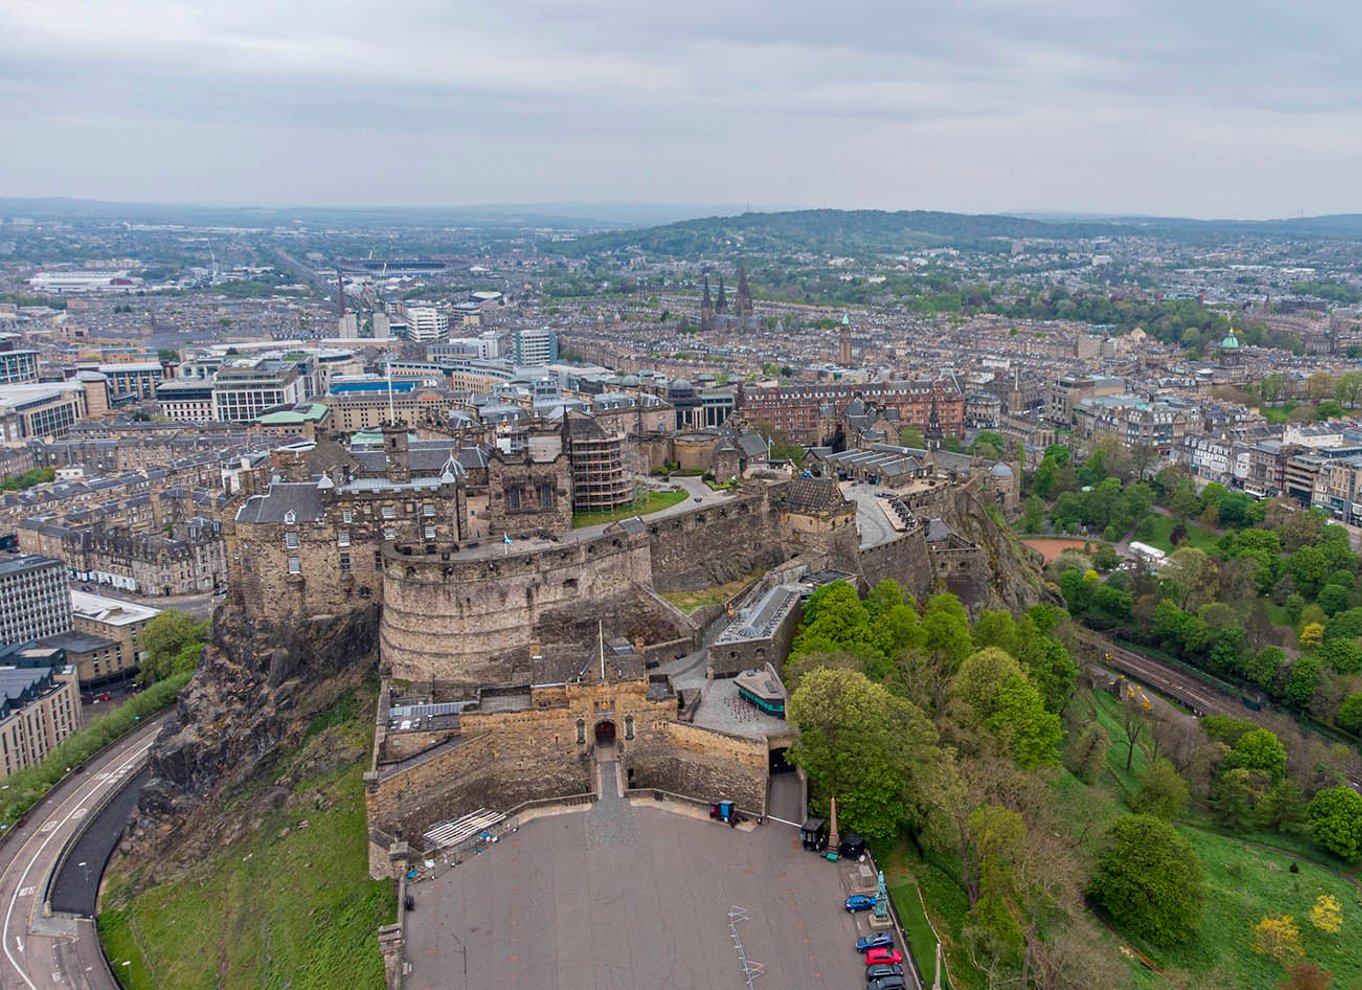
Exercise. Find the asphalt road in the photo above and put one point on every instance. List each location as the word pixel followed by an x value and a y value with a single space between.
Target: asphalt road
pixel 60 952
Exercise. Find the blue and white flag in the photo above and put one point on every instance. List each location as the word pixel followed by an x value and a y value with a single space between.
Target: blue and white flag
pixel 507 539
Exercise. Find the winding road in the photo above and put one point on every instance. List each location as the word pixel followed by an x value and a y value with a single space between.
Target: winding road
pixel 61 951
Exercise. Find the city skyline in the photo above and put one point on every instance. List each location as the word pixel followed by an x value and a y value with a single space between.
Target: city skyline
pixel 1130 108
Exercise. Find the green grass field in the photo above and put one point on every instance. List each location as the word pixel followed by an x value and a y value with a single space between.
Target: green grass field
pixel 689 601
pixel 654 502
pixel 1198 535
pixel 279 909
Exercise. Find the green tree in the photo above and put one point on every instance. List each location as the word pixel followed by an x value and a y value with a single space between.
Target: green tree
pixel 1343 656
pixel 1162 791
pixel 911 436
pixel 1350 713
pixel 1149 880
pixel 1259 749
pixel 172 641
pixel 1304 680
pixel 1335 819
pixel 993 684
pixel 857 742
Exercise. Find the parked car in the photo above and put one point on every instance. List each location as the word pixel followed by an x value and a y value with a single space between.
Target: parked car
pixel 883 954
pixel 874 941
pixel 860 902
pixel 887 983
pixel 881 970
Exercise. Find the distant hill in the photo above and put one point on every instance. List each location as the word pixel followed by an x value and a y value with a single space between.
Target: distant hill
pixel 882 232
pixel 833 231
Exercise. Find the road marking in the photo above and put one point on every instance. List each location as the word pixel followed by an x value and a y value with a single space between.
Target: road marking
pixel 77 797
pixel 80 813
pixel 27 891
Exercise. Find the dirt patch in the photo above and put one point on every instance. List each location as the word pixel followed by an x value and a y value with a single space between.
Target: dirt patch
pixel 1051 547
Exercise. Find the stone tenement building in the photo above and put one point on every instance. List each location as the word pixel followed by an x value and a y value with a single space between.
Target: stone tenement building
pixel 804 412
pixel 189 559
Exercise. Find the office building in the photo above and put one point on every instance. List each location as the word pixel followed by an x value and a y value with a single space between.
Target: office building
pixel 535 347
pixel 186 399
pixel 16 366
pixel 46 410
pixel 427 325
pixel 35 599
pixel 241 392
pixel 115 620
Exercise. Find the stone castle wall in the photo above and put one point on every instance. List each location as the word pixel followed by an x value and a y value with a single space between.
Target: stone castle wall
pixel 466 622
pixel 905 560
pixel 701 763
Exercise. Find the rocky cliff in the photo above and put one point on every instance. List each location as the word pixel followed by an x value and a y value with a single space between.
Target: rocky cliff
pixel 255 693
pixel 1012 579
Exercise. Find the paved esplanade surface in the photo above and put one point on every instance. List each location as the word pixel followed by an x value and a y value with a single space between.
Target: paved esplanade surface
pixel 632 897
pixel 47 953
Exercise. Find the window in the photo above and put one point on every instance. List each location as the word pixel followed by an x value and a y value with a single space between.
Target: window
pixel 378 560
pixel 291 541
pixel 545 495
pixel 343 538
pixel 345 563
pixel 430 532
pixel 389 533
pixel 295 566
pixel 513 500
pixel 346 516
pixel 389 512
pixel 427 510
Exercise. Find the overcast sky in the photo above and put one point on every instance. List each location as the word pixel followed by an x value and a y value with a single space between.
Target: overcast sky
pixel 1189 107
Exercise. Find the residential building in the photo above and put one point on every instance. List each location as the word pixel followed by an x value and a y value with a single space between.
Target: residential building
pixel 35 600
pixel 1066 392
pixel 39 707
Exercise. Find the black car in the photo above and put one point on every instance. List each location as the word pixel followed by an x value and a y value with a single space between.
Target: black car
pixel 409 902
pixel 881 970
pixel 887 983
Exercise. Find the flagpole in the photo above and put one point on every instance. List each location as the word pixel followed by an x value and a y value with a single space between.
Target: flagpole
pixel 600 634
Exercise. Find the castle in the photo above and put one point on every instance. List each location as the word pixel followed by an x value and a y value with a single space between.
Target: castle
pixel 512 645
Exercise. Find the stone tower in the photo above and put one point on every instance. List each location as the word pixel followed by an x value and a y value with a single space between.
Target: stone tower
pixel 396 459
pixel 844 343
pixel 721 306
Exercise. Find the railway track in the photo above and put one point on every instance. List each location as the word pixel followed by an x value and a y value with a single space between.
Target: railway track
pixel 1201 697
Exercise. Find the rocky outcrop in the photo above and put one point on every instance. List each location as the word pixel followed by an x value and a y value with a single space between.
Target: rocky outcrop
pixel 254 695
pixel 1011 580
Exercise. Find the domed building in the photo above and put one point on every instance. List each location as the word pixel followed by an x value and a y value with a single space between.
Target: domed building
pixel 1229 349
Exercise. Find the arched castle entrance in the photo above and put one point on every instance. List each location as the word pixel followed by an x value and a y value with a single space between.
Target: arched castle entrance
pixel 605 733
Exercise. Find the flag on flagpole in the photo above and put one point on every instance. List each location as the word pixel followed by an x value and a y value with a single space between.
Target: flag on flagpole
pixel 507 539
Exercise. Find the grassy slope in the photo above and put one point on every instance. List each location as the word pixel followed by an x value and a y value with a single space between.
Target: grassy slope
pixel 655 502
pixel 689 601
pixel 295 910
pixel 1246 883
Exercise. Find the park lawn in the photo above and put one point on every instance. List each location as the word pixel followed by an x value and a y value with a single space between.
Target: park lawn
pixel 653 502
pixel 1198 536
pixel 1244 884
pixel 689 601
pixel 274 910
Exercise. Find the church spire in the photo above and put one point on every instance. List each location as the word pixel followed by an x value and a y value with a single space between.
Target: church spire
pixel 933 435
pixel 707 308
pixel 721 306
pixel 744 302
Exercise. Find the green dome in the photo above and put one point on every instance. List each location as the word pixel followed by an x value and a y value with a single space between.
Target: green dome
pixel 1231 343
